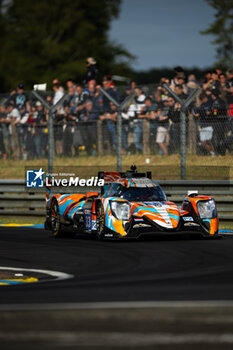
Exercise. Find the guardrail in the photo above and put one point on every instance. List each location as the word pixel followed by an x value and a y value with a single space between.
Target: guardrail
pixel 17 201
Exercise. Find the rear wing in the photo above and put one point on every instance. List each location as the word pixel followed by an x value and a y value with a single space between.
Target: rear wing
pixel 111 176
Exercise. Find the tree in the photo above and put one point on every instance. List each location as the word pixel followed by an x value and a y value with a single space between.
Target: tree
pixel 46 39
pixel 222 29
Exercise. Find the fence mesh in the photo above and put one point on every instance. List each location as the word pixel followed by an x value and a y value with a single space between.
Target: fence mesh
pixel 85 124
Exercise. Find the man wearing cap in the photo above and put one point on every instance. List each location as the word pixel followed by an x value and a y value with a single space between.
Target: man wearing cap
pixel 179 79
pixel 91 70
pixel 20 98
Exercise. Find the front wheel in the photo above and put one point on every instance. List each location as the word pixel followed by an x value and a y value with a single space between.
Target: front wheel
pixel 56 226
pixel 100 221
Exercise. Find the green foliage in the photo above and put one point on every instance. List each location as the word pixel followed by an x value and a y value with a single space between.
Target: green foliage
pixel 41 40
pixel 222 29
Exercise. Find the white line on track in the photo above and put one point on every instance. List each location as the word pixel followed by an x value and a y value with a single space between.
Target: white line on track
pixel 58 275
pixel 118 305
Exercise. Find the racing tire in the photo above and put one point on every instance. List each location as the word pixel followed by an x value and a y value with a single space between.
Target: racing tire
pixel 101 229
pixel 56 226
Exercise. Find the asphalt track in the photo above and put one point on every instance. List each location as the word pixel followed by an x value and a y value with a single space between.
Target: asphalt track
pixel 152 269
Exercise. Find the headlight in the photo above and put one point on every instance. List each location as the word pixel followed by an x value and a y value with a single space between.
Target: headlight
pixel 206 209
pixel 121 210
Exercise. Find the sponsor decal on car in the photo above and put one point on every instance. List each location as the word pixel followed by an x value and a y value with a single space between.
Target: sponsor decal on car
pixel 88 224
pixel 155 204
pixel 108 235
pixel 187 218
pixel 144 182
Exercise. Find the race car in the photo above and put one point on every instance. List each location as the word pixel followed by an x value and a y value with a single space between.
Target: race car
pixel 129 205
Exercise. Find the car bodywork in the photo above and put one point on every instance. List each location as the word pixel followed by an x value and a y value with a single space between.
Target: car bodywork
pixel 130 204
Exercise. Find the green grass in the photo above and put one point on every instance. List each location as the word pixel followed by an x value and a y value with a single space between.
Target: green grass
pixel 198 167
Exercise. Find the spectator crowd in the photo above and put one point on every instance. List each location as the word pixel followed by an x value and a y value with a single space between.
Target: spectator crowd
pixel 86 119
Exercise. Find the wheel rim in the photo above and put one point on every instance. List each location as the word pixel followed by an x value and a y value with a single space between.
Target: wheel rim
pixel 100 220
pixel 55 217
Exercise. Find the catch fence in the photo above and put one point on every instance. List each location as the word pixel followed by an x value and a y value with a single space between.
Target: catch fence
pixel 154 122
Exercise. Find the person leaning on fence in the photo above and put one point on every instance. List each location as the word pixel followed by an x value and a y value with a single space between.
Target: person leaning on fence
pixel 205 124
pixel 192 84
pixel 25 128
pixel 109 127
pixel 179 79
pixel 20 98
pixel 95 96
pixel 128 117
pixel 220 118
pixel 229 136
pixel 3 121
pixel 174 118
pixel 21 128
pixel 180 91
pixel 223 86
pixel 162 136
pixel 212 81
pixel 149 112
pixel 157 98
pixel 81 96
pixel 70 83
pixel 71 98
pixel 112 90
pixel 89 118
pixel 139 99
pixel 13 116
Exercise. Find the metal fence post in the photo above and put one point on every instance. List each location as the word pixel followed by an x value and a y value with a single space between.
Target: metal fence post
pixel 119 141
pixel 99 138
pixel 183 144
pixel 50 143
pixel 146 136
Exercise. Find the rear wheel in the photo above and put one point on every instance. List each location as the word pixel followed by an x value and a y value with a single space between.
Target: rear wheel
pixel 56 226
pixel 100 221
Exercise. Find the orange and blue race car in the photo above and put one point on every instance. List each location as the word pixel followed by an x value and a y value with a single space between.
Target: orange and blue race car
pixel 130 204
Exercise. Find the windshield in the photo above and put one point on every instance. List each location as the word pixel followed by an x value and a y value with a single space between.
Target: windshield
pixel 141 194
